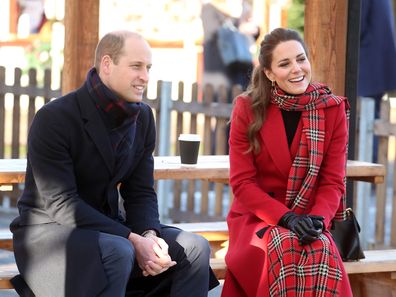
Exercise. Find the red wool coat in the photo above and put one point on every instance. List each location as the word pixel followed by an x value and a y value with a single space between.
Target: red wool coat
pixel 259 185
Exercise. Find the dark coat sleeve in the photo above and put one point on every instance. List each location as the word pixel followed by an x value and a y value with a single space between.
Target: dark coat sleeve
pixel 53 170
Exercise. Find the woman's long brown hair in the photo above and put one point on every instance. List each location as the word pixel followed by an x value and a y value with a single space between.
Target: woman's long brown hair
pixel 260 86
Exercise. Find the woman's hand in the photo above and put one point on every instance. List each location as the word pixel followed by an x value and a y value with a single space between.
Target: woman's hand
pixel 307 228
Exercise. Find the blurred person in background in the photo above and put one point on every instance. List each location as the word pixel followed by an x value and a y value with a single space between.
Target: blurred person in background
pixel 213 14
pixel 377 56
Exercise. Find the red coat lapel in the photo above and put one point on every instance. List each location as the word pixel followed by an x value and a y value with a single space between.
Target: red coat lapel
pixel 274 138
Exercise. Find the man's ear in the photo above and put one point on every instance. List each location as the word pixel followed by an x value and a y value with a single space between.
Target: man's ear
pixel 105 64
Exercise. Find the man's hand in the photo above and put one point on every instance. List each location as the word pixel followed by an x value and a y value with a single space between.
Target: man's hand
pixel 151 254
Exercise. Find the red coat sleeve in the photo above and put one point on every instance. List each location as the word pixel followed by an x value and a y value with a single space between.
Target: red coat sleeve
pixel 243 170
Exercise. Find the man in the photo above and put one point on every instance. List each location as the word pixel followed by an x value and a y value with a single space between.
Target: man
pixel 70 239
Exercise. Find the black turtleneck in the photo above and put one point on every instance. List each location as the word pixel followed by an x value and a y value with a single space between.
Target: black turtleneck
pixel 290 120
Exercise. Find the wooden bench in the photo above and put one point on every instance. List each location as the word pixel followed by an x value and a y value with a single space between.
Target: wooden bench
pixel 376 261
pixel 6 240
pixel 5 276
pixel 373 276
pixel 10 270
pixel 380 264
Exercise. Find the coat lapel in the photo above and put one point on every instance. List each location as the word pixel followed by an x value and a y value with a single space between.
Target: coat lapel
pixel 96 129
pixel 274 138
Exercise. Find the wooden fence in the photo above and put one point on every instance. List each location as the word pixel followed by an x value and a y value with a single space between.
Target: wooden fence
pixel 205 111
pixel 385 130
pixel 375 205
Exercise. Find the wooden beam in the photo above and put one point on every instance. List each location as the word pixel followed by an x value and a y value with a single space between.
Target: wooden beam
pixel 351 71
pixel 332 36
pixel 14 14
pixel 326 37
pixel 81 37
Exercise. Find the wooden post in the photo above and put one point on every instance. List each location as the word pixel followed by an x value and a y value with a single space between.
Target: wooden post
pixel 326 37
pixel 14 13
pixel 332 36
pixel 81 37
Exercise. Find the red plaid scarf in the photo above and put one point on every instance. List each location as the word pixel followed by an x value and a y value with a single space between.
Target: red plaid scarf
pixel 306 165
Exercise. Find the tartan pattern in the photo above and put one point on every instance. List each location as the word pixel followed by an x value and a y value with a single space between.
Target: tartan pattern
pixel 116 109
pixel 302 270
pixel 306 165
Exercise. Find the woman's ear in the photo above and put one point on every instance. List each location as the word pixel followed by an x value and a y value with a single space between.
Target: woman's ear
pixel 268 73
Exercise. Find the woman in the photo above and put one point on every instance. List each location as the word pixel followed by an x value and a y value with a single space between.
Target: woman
pixel 288 147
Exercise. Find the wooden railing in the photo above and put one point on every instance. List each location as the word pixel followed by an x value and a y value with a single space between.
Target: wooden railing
pixel 204 110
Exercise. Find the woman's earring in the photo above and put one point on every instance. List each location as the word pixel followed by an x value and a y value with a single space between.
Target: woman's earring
pixel 272 83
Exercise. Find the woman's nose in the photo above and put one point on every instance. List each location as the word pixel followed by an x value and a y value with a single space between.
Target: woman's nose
pixel 296 67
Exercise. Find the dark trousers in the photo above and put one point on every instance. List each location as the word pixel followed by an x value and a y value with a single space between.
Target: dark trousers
pixel 191 276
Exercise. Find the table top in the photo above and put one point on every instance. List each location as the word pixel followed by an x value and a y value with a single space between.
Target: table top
pixel 209 167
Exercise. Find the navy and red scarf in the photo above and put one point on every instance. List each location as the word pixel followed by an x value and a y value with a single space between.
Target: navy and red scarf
pixel 117 110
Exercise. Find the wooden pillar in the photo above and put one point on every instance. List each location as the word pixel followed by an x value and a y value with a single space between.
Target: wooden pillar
pixel 14 13
pixel 325 32
pixel 332 35
pixel 81 37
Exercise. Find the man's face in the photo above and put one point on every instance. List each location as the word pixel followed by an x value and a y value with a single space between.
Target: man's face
pixel 129 77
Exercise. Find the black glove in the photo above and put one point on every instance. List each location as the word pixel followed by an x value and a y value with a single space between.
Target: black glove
pixel 317 222
pixel 303 226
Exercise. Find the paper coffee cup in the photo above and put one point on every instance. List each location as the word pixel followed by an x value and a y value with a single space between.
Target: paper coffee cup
pixel 189 148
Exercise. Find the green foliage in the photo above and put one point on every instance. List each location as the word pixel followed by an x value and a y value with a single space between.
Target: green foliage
pixel 295 15
pixel 38 55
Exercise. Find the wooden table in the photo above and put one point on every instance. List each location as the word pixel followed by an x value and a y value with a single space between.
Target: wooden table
pixel 209 167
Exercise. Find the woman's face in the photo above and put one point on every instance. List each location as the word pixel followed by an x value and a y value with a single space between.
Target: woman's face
pixel 290 67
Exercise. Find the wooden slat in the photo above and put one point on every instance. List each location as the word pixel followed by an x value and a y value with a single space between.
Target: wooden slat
pixel 2 112
pixel 6 240
pixel 7 271
pixel 32 99
pixel 209 167
pixel 5 277
pixel 219 227
pixel 16 116
pixel 376 261
pixel 381 192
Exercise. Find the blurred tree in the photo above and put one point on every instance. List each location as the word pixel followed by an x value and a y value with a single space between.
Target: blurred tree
pixel 295 15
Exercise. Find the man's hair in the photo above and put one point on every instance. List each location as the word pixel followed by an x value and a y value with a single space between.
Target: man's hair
pixel 112 44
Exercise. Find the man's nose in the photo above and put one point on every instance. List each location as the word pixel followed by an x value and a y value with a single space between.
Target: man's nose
pixel 144 75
